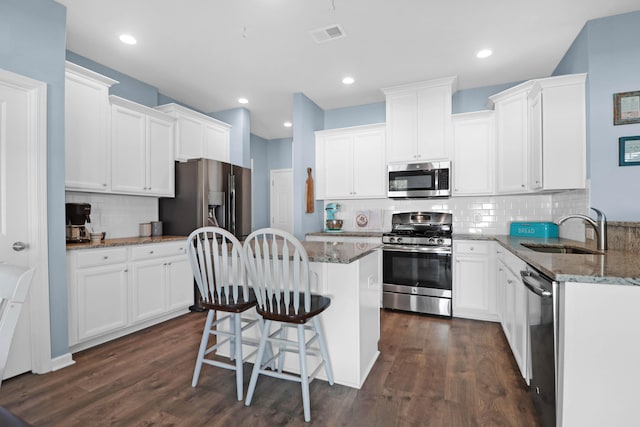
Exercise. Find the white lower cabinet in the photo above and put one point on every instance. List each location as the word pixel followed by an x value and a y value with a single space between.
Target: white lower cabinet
pixel 511 297
pixel 473 280
pixel 116 291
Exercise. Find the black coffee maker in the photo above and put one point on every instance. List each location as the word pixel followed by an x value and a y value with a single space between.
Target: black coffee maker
pixel 78 215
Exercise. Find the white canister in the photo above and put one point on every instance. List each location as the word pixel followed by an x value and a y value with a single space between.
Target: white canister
pixel 145 229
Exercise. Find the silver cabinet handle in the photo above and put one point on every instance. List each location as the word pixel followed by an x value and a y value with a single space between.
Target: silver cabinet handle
pixel 19 246
pixel 105 257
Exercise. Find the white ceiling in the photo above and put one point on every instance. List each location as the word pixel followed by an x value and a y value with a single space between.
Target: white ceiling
pixel 208 53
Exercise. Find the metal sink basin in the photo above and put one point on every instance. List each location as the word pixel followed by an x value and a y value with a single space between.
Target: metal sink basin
pixel 560 249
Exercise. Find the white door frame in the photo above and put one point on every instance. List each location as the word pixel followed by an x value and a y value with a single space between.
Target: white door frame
pixel 38 215
pixel 272 172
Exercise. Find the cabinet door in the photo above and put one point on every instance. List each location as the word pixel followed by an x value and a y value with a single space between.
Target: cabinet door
pixel 86 134
pixel 402 127
pixel 148 289
pixel 179 283
pixel 474 152
pixel 369 164
pixel 160 165
pixel 434 121
pixel 338 160
pixel 101 300
pixel 535 141
pixel 512 147
pixel 470 292
pixel 216 142
pixel 189 138
pixel 128 150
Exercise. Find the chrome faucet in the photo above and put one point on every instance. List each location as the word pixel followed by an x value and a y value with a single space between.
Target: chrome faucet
pixel 599 225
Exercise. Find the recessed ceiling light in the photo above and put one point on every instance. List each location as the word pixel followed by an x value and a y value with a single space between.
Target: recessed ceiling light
pixel 287 124
pixel 243 100
pixel 348 80
pixel 484 53
pixel 128 39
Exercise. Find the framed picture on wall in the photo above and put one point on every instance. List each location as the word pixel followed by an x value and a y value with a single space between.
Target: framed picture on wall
pixel 629 151
pixel 626 108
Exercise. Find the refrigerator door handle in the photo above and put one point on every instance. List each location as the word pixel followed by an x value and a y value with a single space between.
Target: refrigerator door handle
pixel 232 203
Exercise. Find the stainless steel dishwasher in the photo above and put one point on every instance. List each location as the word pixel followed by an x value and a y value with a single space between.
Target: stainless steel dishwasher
pixel 542 323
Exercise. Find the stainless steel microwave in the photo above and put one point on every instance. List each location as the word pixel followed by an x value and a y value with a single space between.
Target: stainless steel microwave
pixel 419 180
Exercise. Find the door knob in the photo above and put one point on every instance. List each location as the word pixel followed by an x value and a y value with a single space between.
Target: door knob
pixel 19 246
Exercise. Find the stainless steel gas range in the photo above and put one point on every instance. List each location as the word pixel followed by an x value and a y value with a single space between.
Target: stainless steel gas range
pixel 416 265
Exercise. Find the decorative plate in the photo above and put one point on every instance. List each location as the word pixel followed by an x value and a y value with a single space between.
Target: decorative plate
pixel 362 220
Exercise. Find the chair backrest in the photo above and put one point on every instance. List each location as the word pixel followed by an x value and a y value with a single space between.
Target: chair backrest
pixel 14 287
pixel 278 268
pixel 218 266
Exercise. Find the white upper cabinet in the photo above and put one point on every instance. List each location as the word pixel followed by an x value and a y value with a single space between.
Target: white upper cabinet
pixel 473 153
pixel 541 135
pixel 419 120
pixel 141 150
pixel 198 135
pixel 350 163
pixel 563 132
pixel 512 139
pixel 87 123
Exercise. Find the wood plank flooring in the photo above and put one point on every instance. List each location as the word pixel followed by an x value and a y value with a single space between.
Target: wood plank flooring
pixel 431 372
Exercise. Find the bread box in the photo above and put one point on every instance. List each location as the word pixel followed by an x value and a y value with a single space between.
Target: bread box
pixel 543 230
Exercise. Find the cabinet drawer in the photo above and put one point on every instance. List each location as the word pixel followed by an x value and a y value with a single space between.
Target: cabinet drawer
pixel 157 251
pixel 93 257
pixel 470 248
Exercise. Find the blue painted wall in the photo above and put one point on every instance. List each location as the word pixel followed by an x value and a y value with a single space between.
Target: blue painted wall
pixel 476 99
pixel 240 120
pixel 608 50
pixel 280 155
pixel 355 116
pixel 260 178
pixel 32 43
pixel 307 118
pixel 127 87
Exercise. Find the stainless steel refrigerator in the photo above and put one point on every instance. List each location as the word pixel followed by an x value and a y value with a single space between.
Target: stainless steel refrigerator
pixel 208 192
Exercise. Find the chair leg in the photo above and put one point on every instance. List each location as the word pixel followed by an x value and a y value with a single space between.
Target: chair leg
pixel 257 365
pixel 269 350
pixel 283 335
pixel 232 341
pixel 304 378
pixel 323 348
pixel 238 348
pixel 203 347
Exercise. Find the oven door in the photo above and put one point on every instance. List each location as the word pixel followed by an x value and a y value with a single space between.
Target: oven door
pixel 417 270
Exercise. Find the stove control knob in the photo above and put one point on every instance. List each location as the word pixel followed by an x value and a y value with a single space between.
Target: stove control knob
pixel 432 241
pixel 392 239
pixel 440 241
pixel 399 239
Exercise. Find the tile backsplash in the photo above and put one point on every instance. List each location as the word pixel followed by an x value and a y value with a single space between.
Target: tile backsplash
pixel 474 215
pixel 117 215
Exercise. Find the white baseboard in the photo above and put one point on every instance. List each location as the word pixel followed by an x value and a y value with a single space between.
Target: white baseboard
pixel 61 362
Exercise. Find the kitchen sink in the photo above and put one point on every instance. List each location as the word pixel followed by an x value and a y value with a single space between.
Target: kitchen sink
pixel 560 249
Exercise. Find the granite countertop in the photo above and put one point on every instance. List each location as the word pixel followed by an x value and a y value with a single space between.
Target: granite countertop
pixel 614 266
pixel 347 233
pixel 338 252
pixel 125 241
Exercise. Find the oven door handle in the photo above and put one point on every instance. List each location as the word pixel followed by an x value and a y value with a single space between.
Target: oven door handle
pixel 416 249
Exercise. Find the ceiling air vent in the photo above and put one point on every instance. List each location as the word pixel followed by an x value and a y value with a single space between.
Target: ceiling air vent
pixel 325 34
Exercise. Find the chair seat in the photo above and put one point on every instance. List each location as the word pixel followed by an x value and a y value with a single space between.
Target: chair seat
pixel 222 305
pixel 319 303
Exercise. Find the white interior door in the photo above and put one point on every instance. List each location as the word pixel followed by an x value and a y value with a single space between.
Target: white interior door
pixel 23 212
pixel 282 199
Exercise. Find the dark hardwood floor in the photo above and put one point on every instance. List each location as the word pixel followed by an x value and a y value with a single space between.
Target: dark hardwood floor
pixel 431 372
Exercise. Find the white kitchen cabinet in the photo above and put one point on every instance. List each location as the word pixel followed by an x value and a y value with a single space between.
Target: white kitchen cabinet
pixel 473 153
pixel 115 291
pixel 350 163
pixel 87 129
pixel 141 150
pixel 198 135
pixel 474 290
pixel 512 307
pixel 558 133
pixel 419 120
pixel 512 139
